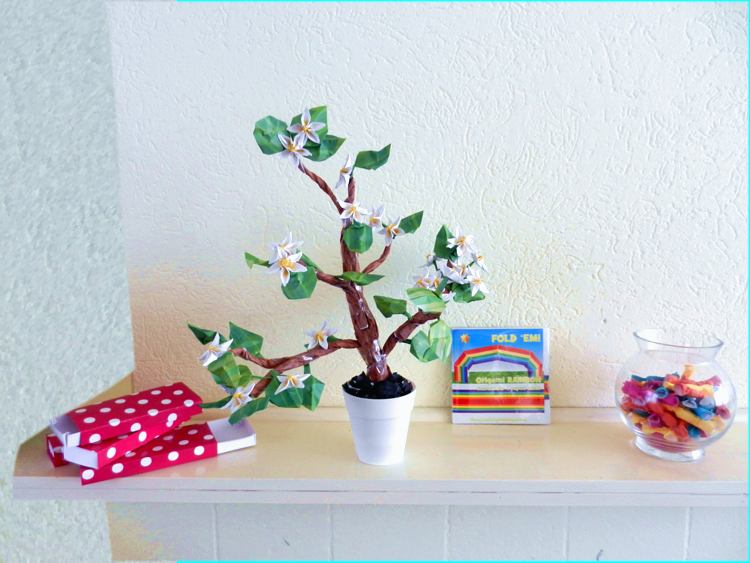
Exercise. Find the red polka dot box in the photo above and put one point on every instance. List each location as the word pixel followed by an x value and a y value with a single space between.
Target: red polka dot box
pixel 192 442
pixel 105 452
pixel 125 415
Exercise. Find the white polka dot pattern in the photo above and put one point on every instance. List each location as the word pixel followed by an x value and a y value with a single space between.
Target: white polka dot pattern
pixel 183 445
pixel 107 417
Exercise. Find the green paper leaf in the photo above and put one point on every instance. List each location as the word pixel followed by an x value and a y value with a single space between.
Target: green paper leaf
pixel 359 278
pixel 390 306
pixel 319 114
pixel 329 145
pixel 301 285
pixel 462 294
pixel 308 262
pixel 216 404
pixel 358 237
pixel 252 407
pixel 242 338
pixel 372 160
pixel 426 300
pixel 311 395
pixel 421 349
pixel 440 339
pixel 254 260
pixel 411 223
pixel 204 336
pixel 246 376
pixel 288 399
pixel 266 134
pixel 441 249
pixel 225 371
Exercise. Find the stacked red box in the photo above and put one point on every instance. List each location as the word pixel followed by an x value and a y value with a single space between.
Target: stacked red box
pixel 140 432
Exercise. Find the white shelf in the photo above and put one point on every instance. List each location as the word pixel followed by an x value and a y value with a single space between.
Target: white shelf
pixel 583 458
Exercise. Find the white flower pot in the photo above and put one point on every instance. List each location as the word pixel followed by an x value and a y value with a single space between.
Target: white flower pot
pixel 380 427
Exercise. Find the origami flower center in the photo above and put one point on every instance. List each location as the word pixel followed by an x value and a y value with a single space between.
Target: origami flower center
pixel 286 263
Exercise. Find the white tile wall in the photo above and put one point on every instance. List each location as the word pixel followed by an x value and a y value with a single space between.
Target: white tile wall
pixel 389 532
pixel 351 532
pixel 718 534
pixel 264 531
pixel 626 533
pixel 161 531
pixel 506 532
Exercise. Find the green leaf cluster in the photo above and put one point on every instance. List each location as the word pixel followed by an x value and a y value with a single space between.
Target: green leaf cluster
pixel 308 397
pixel 300 285
pixel 426 300
pixel 372 160
pixel 359 278
pixel 432 345
pixel 267 130
pixel 390 306
pixel 358 237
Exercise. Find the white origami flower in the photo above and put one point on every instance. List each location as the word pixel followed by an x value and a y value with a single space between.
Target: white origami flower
pixel 354 211
pixel 427 280
pixel 294 149
pixel 464 244
pixel 240 397
pixel 447 296
pixel 307 128
pixel 454 271
pixel 345 172
pixel 285 247
pixel 287 265
pixel 214 350
pixel 479 259
pixel 291 380
pixel 319 337
pixel 391 230
pixel 376 217
pixel 477 283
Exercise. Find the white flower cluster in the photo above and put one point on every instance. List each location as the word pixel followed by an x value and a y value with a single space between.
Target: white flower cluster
pixel 285 259
pixel 355 212
pixel 468 268
pixel 305 130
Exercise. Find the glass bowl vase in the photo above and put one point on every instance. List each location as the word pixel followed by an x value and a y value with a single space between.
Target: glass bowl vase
pixel 673 394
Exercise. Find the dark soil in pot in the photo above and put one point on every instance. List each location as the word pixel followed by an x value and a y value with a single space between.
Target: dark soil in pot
pixel 394 386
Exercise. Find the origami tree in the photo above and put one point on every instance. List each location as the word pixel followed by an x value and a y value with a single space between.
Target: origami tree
pixel 452 272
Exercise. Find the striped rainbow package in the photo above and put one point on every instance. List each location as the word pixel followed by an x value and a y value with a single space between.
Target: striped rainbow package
pixel 500 375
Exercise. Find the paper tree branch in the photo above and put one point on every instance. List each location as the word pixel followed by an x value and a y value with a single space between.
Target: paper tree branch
pixel 407 327
pixel 375 264
pixel 323 185
pixel 290 362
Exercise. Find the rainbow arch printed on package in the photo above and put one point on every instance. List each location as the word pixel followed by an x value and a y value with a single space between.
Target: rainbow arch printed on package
pixel 470 358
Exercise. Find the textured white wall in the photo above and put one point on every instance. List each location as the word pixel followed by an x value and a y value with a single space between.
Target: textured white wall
pixel 597 151
pixel 63 295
